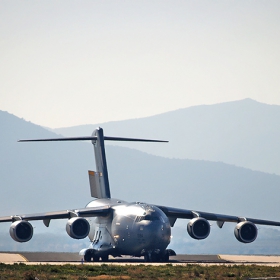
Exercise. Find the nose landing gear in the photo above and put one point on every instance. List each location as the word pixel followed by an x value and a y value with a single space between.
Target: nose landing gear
pixel 157 256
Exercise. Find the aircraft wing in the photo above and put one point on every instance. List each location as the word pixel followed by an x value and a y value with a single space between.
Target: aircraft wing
pixel 174 213
pixel 64 214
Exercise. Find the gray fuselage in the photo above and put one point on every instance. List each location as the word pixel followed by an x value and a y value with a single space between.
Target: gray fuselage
pixel 130 229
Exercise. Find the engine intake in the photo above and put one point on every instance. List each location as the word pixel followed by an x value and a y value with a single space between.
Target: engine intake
pixel 21 231
pixel 78 228
pixel 246 232
pixel 198 228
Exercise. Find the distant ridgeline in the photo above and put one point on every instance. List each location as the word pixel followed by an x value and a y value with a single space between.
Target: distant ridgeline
pixel 244 133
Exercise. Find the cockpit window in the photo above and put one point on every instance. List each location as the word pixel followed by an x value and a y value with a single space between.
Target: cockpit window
pixel 139 219
pixel 151 217
pixel 148 217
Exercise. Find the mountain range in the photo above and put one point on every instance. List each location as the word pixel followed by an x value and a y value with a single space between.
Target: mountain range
pixel 245 133
pixel 39 177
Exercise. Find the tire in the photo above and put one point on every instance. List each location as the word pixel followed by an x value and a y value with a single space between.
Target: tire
pixel 155 257
pixel 147 258
pixel 165 257
pixel 105 258
pixel 87 256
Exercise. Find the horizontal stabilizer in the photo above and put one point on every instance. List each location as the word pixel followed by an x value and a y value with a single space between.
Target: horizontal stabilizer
pixel 132 139
pixel 93 138
pixel 60 139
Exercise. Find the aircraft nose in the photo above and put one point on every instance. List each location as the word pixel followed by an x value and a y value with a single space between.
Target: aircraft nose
pixel 154 234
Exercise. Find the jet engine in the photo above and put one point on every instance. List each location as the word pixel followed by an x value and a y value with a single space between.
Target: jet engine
pixel 198 228
pixel 77 228
pixel 21 231
pixel 246 232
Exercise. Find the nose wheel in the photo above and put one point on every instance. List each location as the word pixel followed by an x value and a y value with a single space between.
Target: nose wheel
pixel 157 257
pixel 105 258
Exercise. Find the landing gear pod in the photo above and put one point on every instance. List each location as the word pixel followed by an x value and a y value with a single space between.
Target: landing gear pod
pixel 21 231
pixel 198 228
pixel 77 228
pixel 246 232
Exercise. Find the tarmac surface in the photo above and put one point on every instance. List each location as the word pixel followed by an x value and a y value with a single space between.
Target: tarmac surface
pixel 74 258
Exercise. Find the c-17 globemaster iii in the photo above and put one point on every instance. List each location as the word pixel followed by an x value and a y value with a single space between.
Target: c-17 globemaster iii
pixel 116 227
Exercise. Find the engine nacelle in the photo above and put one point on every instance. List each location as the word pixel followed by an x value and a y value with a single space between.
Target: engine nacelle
pixel 246 232
pixel 198 228
pixel 78 228
pixel 21 231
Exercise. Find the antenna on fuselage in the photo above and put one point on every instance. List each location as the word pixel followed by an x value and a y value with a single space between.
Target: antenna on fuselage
pixel 99 180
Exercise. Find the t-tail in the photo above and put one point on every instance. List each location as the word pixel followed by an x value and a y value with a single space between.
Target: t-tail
pixel 99 179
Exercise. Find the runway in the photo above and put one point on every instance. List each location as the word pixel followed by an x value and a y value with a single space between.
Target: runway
pixel 74 258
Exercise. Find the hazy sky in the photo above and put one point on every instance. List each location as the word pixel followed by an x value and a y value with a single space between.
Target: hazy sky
pixel 65 63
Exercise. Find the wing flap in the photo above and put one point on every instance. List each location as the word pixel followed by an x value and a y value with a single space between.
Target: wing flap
pixel 6 219
pixel 263 222
pixel 174 213
pixel 64 214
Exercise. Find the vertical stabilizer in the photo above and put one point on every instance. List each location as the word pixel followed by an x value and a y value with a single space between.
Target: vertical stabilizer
pixel 99 180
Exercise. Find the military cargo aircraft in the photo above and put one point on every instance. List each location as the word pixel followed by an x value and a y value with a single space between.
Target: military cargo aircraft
pixel 116 227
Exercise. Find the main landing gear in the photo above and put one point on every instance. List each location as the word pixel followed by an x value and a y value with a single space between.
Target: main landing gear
pixel 91 257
